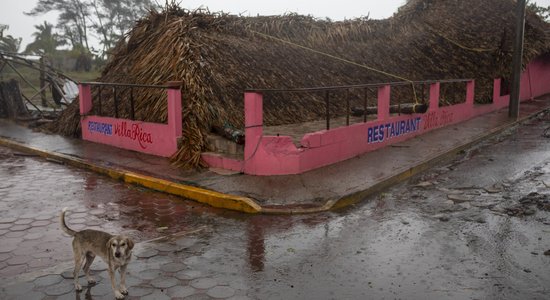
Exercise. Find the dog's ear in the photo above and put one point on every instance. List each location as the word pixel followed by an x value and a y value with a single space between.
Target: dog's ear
pixel 130 243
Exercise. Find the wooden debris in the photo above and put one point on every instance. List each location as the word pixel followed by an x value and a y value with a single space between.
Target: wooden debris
pixel 494 189
pixel 459 198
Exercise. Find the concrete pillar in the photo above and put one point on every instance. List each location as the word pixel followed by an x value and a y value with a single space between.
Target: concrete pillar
pixel 384 96
pixel 470 92
pixel 496 90
pixel 174 111
pixel 85 97
pixel 434 96
pixel 253 122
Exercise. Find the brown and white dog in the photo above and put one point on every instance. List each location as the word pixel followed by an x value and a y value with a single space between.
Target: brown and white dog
pixel 115 250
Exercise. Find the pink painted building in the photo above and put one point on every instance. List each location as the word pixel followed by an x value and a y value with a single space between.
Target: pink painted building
pixel 278 155
pixel 151 138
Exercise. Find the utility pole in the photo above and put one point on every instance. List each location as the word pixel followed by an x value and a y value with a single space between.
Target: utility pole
pixel 513 111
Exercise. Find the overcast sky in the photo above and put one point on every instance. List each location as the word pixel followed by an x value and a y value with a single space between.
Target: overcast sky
pixel 11 12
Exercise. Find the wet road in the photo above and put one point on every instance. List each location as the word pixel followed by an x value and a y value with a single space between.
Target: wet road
pixel 474 228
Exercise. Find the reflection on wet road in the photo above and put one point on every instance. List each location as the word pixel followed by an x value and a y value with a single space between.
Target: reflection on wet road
pixel 476 228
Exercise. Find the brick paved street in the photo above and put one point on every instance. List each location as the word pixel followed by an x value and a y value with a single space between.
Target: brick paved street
pixel 36 257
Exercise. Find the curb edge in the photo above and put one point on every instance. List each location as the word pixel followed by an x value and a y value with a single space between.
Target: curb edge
pixel 212 198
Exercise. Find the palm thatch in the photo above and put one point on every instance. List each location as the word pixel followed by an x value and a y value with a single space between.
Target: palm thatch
pixel 218 56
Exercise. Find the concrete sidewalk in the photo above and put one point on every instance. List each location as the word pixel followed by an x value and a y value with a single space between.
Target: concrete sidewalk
pixel 330 187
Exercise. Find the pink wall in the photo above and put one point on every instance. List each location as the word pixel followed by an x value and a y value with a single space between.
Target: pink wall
pixel 277 155
pixel 151 138
pixel 538 84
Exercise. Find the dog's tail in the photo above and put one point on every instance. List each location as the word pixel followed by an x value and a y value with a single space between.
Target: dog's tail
pixel 64 226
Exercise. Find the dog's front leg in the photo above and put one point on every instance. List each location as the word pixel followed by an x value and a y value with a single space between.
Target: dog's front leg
pixel 123 288
pixel 118 294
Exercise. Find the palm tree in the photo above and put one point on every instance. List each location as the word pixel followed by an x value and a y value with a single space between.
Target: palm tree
pixel 45 41
pixel 8 43
pixel 543 12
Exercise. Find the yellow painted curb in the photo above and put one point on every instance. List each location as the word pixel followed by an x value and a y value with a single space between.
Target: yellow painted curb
pixel 212 198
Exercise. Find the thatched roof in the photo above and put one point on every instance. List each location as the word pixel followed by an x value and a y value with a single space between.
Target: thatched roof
pixel 218 56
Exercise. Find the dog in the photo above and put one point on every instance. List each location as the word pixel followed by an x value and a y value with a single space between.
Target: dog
pixel 115 250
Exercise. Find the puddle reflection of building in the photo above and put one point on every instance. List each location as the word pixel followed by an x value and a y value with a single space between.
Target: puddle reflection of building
pixel 258 227
pixel 90 182
pixel 256 243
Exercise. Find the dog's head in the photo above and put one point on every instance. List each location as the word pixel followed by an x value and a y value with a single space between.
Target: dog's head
pixel 120 246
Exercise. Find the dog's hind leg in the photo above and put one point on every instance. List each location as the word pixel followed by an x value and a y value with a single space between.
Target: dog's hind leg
pixel 123 288
pixel 89 260
pixel 78 260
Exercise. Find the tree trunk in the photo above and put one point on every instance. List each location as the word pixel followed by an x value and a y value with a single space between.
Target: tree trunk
pixel 11 102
